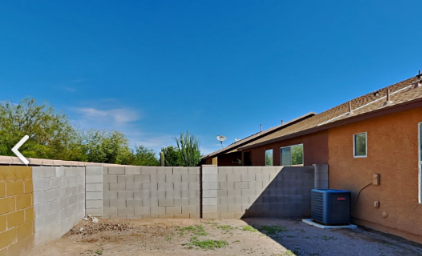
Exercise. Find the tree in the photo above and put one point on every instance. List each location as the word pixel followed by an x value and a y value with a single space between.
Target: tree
pixel 188 146
pixel 51 135
pixel 172 156
pixel 145 157
pixel 106 147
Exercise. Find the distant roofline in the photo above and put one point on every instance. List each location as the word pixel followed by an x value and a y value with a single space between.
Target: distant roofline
pixel 364 116
pixel 259 135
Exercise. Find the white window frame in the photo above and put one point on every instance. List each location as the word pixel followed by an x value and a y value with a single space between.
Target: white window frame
pixel 366 145
pixel 419 163
pixel 303 155
pixel 265 157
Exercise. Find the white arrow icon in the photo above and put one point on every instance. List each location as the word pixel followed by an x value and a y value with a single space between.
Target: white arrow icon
pixel 17 153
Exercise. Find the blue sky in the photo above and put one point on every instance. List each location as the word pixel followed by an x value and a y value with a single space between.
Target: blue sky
pixel 153 69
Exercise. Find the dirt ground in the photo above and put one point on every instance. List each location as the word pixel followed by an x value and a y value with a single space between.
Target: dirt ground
pixel 223 237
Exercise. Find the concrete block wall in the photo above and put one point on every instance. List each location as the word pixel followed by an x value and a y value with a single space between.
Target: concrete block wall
pixel 321 176
pixel 94 190
pixel 59 200
pixel 258 192
pixel 16 210
pixel 151 192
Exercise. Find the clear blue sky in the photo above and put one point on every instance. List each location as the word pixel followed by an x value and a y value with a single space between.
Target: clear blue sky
pixel 152 69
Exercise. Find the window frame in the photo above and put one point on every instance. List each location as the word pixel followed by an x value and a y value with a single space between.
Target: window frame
pixel 366 145
pixel 272 157
pixel 291 162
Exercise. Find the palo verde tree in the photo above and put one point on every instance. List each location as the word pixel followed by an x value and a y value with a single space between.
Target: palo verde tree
pixel 188 146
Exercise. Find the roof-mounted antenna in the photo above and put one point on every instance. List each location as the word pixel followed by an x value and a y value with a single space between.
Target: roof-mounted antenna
pixel 282 121
pixel 236 139
pixel 260 127
pixel 388 102
pixel 221 138
pixel 418 83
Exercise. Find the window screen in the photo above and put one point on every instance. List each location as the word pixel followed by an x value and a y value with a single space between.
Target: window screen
pixel 360 144
pixel 269 157
pixel 292 155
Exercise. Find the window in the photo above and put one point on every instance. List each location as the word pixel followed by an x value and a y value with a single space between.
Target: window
pixel 420 143
pixel 359 145
pixel 292 155
pixel 420 161
pixel 269 157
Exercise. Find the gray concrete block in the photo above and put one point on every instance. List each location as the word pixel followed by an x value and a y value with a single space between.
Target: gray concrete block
pixel 106 186
pixel 151 202
pixel 189 193
pixel 134 202
pixel 125 194
pixel 165 216
pixel 110 211
pixel 141 194
pixel 158 210
pixel 93 212
pixel 110 194
pixel 163 186
pixel 180 170
pixel 194 186
pixel 241 200
pixel 116 170
pixel 206 178
pixel 133 186
pixel 222 193
pixel 158 194
pixel 152 186
pixel 121 203
pixel 226 185
pixel 173 194
pixel 248 176
pixel 194 170
pixel 94 195
pixel 234 208
pixel 222 178
pixel 209 201
pixel 149 170
pixel 209 193
pixel 94 203
pixel 222 208
pixel 262 177
pixel 132 170
pixel 94 170
pixel 210 215
pixel 211 185
pixel 143 178
pixel 189 209
pixel 255 185
pixel 209 170
pixel 234 177
pixel 181 186
pixel 209 209
pixel 125 178
pixel 194 201
pixel 174 210
pixel 227 215
pixel 123 212
pixel 106 203
pixel 254 169
pixel 234 192
pixel 182 216
pixel 165 170
pixel 181 201
pixel 173 178
pixel 94 187
pixel 165 202
pixel 248 192
pixel 142 211
pixel 158 177
pixel 240 185
pixel 225 170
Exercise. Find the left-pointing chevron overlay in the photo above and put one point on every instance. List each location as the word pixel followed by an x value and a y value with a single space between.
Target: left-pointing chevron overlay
pixel 15 149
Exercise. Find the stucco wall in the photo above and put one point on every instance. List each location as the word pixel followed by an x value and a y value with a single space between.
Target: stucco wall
pixel 315 149
pixel 392 151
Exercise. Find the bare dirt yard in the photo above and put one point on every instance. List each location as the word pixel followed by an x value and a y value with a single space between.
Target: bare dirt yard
pixel 222 237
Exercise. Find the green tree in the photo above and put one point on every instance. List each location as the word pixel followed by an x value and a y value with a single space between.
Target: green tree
pixel 188 146
pixel 172 156
pixel 51 135
pixel 106 147
pixel 144 157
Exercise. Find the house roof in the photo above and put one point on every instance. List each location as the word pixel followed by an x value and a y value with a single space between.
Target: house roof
pixel 232 147
pixel 400 93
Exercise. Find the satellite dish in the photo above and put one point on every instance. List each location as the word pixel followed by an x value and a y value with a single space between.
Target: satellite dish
pixel 221 138
pixel 237 139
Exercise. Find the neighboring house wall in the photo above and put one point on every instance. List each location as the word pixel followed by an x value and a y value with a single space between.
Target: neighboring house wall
pixel 315 149
pixel 231 159
pixel 392 151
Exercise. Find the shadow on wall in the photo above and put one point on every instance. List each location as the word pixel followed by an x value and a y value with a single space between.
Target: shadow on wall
pixel 288 194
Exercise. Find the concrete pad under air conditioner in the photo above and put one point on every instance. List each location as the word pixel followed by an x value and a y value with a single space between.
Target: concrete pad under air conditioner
pixel 318 225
